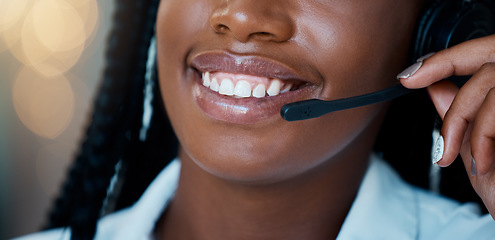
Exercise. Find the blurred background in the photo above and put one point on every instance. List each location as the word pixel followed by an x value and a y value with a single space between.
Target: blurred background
pixel 51 59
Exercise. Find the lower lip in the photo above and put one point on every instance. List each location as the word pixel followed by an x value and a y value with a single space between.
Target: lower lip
pixel 244 111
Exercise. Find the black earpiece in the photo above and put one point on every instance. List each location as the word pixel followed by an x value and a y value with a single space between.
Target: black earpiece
pixel 444 24
pixel 447 23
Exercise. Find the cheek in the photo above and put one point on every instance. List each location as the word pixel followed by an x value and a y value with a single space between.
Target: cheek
pixel 180 22
pixel 359 50
pixel 176 28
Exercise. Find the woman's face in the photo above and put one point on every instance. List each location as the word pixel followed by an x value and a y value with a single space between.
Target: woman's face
pixel 267 54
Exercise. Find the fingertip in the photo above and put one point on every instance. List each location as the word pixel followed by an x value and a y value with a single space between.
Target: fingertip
pixel 438 149
pixel 446 161
pixel 408 76
pixel 410 71
pixel 451 135
pixel 440 156
pixel 423 58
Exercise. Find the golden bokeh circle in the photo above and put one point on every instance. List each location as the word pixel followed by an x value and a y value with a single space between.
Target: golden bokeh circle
pixel 11 32
pixel 58 25
pixel 11 11
pixel 89 12
pixel 54 34
pixel 45 105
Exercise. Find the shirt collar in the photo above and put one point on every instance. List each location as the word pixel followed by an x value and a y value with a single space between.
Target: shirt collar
pixel 143 215
pixel 383 200
pixel 384 206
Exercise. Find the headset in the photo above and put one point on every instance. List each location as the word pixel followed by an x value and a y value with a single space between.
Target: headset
pixel 445 23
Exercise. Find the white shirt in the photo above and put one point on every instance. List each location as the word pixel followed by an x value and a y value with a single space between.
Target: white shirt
pixel 385 207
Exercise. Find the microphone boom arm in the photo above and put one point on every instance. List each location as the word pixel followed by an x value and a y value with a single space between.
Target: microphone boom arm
pixel 313 108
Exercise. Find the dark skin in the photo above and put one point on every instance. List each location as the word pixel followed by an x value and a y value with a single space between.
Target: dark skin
pixel 273 179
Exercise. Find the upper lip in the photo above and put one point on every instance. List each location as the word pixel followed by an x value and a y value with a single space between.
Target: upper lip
pixel 221 61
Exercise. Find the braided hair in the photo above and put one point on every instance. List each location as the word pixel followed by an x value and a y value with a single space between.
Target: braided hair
pixel 113 133
pixel 114 139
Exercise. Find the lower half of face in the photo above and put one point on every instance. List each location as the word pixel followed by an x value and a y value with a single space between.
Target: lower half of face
pixel 227 67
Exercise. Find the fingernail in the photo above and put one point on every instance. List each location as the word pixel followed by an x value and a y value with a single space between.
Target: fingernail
pixel 437 154
pixel 411 70
pixel 425 57
pixel 474 171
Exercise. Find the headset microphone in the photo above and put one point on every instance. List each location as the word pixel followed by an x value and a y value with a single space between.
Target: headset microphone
pixel 315 107
pixel 444 24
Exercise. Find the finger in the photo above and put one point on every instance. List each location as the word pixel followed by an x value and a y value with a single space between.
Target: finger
pixel 463 59
pixel 462 111
pixel 442 95
pixel 483 135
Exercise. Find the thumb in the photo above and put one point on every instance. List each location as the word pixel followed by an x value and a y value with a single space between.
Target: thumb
pixel 442 95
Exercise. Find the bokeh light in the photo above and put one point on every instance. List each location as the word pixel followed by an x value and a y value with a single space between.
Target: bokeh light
pixel 48 37
pixel 58 25
pixel 45 105
pixel 88 11
pixel 11 12
pixel 51 55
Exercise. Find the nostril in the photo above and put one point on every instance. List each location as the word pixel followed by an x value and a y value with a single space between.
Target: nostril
pixel 221 28
pixel 245 20
pixel 263 35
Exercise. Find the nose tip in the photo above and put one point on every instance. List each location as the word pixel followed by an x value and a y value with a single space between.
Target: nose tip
pixel 247 20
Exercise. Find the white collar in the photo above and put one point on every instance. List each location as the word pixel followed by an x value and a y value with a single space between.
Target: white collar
pixel 385 207
pixel 370 217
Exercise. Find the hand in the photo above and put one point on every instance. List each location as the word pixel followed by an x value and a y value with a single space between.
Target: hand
pixel 468 113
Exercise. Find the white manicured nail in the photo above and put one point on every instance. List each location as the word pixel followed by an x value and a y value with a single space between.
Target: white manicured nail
pixel 425 57
pixel 410 70
pixel 438 149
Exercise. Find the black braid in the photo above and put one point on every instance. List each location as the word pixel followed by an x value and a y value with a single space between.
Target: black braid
pixel 115 121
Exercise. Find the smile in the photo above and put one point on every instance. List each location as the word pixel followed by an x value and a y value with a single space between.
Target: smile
pixel 244 89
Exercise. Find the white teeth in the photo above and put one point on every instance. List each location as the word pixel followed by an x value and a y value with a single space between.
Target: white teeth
pixel 259 91
pixel 242 89
pixel 214 85
pixel 206 79
pixel 274 88
pixel 286 88
pixel 226 87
